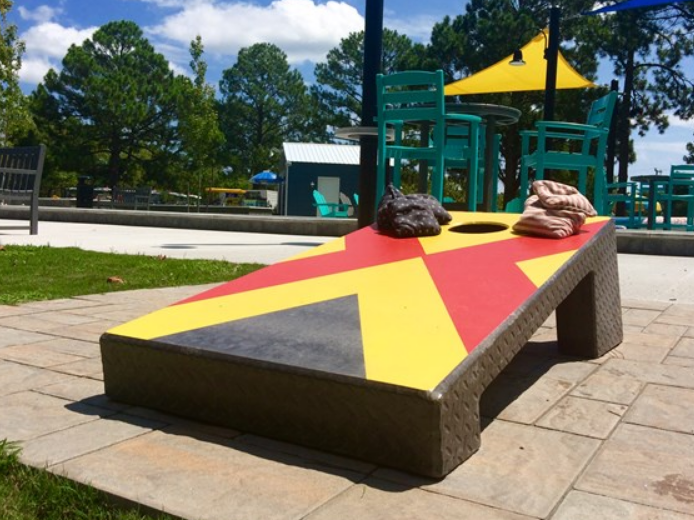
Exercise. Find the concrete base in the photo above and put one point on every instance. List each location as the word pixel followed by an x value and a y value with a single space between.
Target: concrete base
pixel 252 223
pixel 655 242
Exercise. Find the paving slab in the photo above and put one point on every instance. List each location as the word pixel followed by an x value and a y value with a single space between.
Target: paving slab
pixel 650 372
pixel 36 355
pixel 681 361
pixel 582 506
pixel 646 466
pixel 664 407
pixel 665 328
pixel 63 445
pixel 539 396
pixel 83 389
pixel 206 480
pixel 75 347
pixel 684 348
pixel 30 322
pixel 610 386
pixel 583 417
pixel 87 331
pixel 84 367
pixel 57 305
pixel 674 319
pixel 28 415
pixel 11 310
pixel 10 336
pixel 639 352
pixel 519 468
pixel 377 499
pixel 18 378
pixel 680 309
pixel 639 316
pixel 641 338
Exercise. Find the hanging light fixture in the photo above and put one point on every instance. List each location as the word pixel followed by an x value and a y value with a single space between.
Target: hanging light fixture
pixel 517 60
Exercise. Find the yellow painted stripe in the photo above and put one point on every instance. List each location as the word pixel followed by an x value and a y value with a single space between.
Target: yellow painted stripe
pixel 408 336
pixel 213 311
pixel 539 270
pixel 449 240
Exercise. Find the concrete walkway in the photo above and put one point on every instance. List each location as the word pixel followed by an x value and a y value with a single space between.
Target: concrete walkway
pixel 566 439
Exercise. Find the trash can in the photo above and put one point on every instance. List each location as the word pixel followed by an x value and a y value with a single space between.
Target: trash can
pixel 85 192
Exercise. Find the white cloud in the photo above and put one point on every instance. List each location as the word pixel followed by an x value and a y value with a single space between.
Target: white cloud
pixel 34 69
pixel 418 28
pixel 46 45
pixel 173 3
pixel 41 14
pixel 303 29
pixel 654 148
pixel 676 122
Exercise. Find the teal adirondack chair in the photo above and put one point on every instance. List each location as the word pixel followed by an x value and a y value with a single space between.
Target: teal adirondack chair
pixel 417 98
pixel 329 209
pixel 558 145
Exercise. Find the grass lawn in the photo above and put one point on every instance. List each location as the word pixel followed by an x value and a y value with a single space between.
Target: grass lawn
pixel 30 494
pixel 31 273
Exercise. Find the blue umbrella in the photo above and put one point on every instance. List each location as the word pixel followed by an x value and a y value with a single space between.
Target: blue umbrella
pixel 633 4
pixel 266 177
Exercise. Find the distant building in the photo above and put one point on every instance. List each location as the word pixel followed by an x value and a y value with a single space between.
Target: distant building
pixel 332 169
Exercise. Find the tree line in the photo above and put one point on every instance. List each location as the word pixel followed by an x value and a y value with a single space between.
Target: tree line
pixel 115 110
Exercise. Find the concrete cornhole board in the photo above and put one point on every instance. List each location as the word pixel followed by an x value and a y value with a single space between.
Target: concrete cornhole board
pixel 371 346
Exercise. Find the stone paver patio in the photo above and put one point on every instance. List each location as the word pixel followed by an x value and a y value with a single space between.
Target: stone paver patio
pixel 565 439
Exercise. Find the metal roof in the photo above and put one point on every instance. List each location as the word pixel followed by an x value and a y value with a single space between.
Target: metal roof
pixel 317 153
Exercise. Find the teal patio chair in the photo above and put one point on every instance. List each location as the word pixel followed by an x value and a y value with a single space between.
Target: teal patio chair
pixel 463 150
pixel 417 98
pixel 633 199
pixel 495 170
pixel 576 147
pixel 679 192
pixel 330 209
pixel 514 206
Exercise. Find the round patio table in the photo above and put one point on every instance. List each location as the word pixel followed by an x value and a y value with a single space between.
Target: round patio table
pixel 355 133
pixel 493 115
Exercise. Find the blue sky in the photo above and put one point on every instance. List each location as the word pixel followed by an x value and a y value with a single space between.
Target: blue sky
pixel 305 29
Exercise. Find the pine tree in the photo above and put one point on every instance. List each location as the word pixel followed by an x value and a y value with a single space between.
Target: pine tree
pixel 15 119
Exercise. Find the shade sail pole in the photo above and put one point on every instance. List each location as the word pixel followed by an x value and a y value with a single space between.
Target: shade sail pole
pixel 373 53
pixel 552 55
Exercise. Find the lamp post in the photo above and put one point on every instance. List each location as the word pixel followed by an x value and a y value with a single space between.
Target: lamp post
pixel 373 52
pixel 551 55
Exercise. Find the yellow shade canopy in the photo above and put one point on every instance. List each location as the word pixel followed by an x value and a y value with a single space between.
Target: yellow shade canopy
pixel 502 77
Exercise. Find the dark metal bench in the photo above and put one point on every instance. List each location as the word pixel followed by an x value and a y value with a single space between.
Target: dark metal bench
pixel 20 179
pixel 369 346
